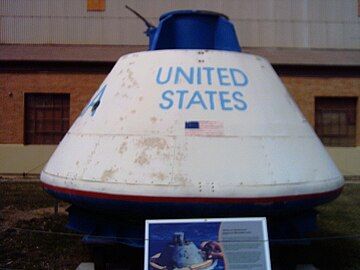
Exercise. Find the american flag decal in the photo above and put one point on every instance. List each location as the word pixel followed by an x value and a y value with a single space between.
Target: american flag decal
pixel 204 128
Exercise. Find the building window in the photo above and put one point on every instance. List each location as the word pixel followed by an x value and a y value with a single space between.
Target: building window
pixel 335 119
pixel 95 5
pixel 46 117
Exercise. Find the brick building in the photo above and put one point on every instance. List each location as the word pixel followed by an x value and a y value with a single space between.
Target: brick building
pixel 53 58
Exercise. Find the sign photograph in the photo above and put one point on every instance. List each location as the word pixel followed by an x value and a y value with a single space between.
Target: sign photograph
pixel 205 244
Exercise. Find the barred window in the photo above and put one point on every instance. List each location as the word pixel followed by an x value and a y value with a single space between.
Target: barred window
pixel 46 117
pixel 335 120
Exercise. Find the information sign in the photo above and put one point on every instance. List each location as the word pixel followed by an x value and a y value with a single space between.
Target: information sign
pixel 226 243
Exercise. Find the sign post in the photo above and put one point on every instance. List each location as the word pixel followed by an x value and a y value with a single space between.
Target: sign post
pixel 225 243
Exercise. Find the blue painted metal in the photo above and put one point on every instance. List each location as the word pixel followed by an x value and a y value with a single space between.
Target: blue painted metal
pixel 105 228
pixel 193 29
pixel 113 221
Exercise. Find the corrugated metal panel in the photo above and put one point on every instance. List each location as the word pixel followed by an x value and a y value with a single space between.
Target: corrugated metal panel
pixel 259 23
pixel 350 8
pixel 300 35
pixel 128 27
pixel 266 34
pixel 351 36
pixel 299 10
pixel 2 8
pixel 243 32
pixel 265 10
pixel 6 25
pixel 242 10
pixel 316 10
pixel 249 34
pixel 335 35
pixel 333 11
pixel 282 10
pixel 284 34
pixel 318 35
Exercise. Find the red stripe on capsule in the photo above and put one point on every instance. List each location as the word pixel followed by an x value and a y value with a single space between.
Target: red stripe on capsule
pixel 154 199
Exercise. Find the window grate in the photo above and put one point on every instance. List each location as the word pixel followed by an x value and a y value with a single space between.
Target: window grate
pixel 335 120
pixel 46 117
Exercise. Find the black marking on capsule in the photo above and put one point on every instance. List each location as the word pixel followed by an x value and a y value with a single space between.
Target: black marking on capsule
pixel 192 125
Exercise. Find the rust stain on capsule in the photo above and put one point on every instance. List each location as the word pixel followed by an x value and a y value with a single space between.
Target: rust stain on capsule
pixel 158 143
pixel 181 179
pixel 131 79
pixel 122 148
pixel 108 174
pixel 148 146
pixel 159 176
pixel 153 119
pixel 142 159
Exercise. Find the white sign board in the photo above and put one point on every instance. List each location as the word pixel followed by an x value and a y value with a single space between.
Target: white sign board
pixel 226 243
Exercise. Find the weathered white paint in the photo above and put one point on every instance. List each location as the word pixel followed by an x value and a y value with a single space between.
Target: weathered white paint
pixel 131 146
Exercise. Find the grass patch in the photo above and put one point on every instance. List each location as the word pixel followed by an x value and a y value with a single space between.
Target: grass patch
pixel 24 196
pixel 29 250
pixel 342 216
pixel 336 220
pixel 339 218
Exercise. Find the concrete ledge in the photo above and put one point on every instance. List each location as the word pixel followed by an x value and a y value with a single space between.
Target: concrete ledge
pixel 111 53
pixel 319 57
pixel 69 53
pixel 24 159
pixel 347 159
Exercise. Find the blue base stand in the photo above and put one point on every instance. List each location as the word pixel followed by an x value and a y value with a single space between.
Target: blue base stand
pixel 287 229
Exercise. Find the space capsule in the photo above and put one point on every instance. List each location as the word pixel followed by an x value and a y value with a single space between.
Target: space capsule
pixel 193 127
